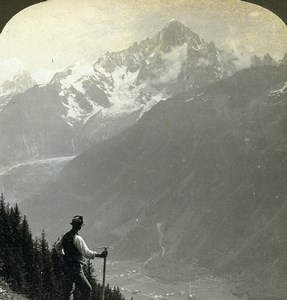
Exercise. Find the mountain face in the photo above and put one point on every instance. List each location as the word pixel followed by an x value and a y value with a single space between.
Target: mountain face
pixel 31 128
pixel 86 104
pixel 89 97
pixel 175 59
pixel 92 103
pixel 32 133
pixel 21 82
pixel 200 178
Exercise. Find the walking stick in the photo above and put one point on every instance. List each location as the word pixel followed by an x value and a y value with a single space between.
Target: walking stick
pixel 104 273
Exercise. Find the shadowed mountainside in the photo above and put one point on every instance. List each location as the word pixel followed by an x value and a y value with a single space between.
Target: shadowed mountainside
pixel 201 175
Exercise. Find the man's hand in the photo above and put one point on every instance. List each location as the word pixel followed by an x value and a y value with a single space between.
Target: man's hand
pixel 103 254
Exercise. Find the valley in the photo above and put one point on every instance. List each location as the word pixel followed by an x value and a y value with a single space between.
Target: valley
pixel 131 277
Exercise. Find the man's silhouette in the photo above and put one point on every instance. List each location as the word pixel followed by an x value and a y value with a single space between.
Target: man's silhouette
pixel 74 249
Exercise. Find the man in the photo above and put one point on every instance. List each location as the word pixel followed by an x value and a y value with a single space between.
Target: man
pixel 74 249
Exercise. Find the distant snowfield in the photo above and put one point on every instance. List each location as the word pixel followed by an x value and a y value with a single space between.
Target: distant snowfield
pixel 119 86
pixel 8 169
pixel 122 80
pixel 74 79
pixel 124 93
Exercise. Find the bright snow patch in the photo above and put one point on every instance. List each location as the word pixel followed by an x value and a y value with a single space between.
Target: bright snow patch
pixel 95 109
pixel 122 80
pixel 74 112
pixel 75 78
pixel 279 92
pixel 6 170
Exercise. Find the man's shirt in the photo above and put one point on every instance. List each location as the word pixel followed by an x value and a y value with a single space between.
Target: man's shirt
pixel 80 245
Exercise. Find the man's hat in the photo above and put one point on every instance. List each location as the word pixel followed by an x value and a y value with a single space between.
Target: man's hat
pixel 77 220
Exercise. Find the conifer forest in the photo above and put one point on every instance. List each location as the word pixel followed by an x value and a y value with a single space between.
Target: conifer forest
pixel 30 267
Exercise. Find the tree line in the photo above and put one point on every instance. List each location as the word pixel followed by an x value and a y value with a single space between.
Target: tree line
pixel 30 267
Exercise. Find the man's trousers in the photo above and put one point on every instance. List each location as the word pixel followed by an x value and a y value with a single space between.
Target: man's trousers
pixel 75 277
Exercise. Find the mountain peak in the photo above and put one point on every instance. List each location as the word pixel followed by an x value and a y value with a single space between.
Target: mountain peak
pixel 175 34
pixel 175 24
pixel 269 60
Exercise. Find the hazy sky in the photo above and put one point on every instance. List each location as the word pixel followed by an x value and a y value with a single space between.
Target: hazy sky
pixel 56 33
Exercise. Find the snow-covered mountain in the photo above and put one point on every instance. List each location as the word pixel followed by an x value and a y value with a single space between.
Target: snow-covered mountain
pixel 98 101
pixel 21 82
pixel 136 78
pixel 122 86
pixel 85 104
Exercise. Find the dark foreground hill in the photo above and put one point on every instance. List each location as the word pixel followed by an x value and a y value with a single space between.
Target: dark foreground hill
pixel 201 178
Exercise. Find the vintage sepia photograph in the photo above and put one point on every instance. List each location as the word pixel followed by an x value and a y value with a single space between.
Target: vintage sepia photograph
pixel 143 150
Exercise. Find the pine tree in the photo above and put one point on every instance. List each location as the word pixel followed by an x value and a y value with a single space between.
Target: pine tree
pixel 15 223
pixel 58 265
pixel 6 244
pixel 3 222
pixel 27 247
pixel 16 261
pixel 37 266
pixel 47 282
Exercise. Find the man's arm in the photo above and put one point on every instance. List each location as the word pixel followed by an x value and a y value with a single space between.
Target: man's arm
pixel 83 248
pixel 59 247
pixel 85 251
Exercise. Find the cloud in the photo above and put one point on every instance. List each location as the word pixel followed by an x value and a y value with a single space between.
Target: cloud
pixel 170 65
pixel 9 67
pixel 238 53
